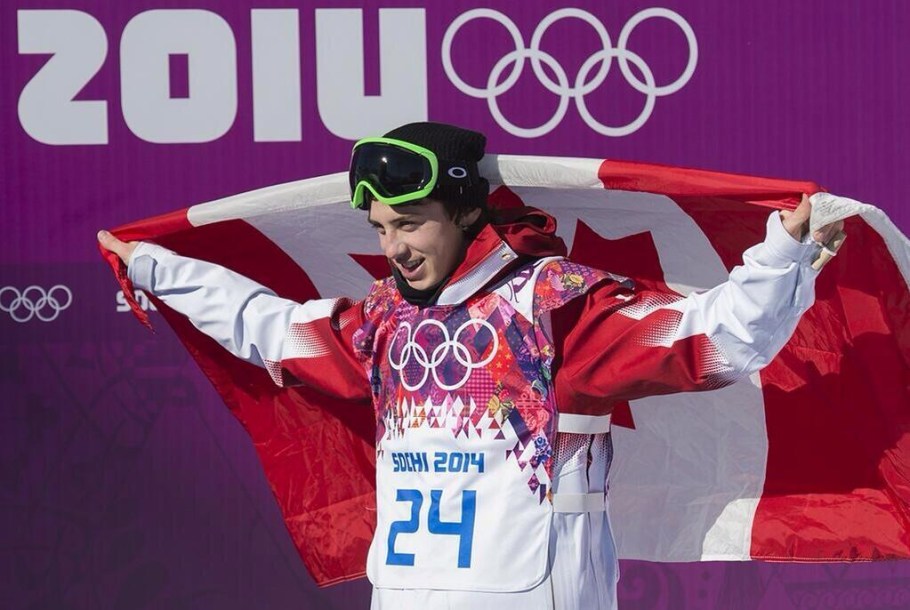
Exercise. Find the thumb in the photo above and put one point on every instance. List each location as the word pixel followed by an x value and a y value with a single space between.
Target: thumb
pixel 796 222
pixel 122 249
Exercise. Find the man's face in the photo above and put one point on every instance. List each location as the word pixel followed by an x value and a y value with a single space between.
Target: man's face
pixel 419 239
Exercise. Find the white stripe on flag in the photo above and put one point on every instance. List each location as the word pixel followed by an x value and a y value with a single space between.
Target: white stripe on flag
pixel 301 194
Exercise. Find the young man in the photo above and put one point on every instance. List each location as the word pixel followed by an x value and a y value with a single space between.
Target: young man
pixel 493 364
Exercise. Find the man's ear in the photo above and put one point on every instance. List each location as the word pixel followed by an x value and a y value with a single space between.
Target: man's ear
pixel 469 218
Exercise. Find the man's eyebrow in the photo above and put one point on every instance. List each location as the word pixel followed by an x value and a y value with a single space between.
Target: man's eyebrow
pixel 397 220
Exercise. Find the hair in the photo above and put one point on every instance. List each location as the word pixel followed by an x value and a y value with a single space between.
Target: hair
pixel 456 210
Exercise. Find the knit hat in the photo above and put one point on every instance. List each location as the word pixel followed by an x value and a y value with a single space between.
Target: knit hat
pixel 453 146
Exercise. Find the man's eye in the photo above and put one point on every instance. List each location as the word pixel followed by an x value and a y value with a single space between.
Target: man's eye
pixel 407 225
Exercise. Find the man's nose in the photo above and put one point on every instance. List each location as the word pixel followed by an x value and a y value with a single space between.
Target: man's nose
pixel 394 248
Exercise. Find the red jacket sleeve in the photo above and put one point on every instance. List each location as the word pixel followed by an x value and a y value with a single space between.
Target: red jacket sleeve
pixel 616 344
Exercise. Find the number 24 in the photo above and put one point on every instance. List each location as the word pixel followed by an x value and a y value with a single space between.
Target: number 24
pixel 464 529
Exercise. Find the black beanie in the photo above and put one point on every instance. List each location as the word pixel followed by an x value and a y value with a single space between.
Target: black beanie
pixel 453 146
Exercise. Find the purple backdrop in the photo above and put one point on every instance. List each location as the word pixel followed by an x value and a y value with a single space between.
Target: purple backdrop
pixel 124 483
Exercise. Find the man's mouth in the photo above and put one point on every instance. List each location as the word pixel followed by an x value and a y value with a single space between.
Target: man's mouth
pixel 410 269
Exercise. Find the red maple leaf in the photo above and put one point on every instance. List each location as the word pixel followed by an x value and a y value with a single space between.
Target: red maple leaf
pixel 376 265
pixel 635 257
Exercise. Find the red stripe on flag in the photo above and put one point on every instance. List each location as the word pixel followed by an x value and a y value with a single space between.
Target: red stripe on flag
pixel 317 452
pixel 155 227
pixel 678 181
pixel 838 423
pixel 835 398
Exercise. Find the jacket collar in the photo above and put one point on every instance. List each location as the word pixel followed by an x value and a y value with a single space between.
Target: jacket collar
pixel 514 236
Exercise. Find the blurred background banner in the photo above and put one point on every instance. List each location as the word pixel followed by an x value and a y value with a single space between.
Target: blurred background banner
pixel 124 483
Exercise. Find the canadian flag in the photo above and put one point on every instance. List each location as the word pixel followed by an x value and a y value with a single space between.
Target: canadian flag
pixel 808 460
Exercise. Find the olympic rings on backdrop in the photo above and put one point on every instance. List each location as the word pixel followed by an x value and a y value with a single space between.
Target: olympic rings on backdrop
pixel 562 87
pixel 34 302
pixel 413 351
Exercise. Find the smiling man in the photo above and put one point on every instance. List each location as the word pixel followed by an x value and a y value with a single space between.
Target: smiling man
pixel 493 364
pixel 421 242
pixel 430 199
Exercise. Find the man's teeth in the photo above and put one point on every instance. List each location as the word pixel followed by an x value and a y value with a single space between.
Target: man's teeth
pixel 411 266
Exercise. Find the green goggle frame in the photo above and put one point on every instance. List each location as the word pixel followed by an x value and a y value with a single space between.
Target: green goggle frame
pixel 392 171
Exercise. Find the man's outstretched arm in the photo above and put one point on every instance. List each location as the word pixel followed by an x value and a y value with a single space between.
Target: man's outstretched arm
pixel 621 344
pixel 308 343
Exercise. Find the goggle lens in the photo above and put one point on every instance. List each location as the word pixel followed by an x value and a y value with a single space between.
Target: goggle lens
pixel 390 170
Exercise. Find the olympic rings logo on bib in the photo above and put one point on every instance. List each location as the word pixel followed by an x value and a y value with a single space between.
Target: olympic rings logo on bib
pixel 429 359
pixel 562 87
pixel 35 302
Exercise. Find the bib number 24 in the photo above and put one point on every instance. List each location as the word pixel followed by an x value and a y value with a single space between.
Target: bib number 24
pixel 464 529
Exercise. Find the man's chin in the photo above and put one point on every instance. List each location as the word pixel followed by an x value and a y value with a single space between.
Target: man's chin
pixel 423 283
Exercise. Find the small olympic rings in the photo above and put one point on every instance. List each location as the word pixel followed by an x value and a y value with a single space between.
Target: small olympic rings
pixel 35 302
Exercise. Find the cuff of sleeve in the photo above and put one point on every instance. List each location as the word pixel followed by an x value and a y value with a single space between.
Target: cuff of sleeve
pixel 784 246
pixel 141 267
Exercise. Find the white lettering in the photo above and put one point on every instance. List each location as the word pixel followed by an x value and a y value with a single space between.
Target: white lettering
pixel 47 111
pixel 343 107
pixel 157 107
pixel 148 108
pixel 141 299
pixel 276 75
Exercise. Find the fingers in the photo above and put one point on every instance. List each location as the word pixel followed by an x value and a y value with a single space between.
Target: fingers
pixel 827 233
pixel 797 223
pixel 121 248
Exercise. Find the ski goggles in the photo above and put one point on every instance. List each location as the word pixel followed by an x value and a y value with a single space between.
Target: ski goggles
pixel 395 171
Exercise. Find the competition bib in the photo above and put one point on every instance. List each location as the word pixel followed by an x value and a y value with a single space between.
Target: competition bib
pixel 458 513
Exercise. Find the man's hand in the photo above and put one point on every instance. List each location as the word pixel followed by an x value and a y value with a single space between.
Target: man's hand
pixel 120 248
pixel 797 223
